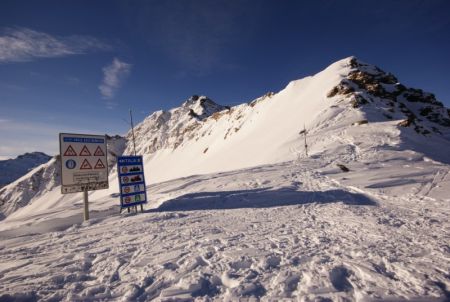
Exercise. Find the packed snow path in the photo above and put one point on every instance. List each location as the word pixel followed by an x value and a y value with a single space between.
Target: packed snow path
pixel 275 232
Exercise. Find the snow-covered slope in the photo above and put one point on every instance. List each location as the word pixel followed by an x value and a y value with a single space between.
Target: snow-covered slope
pixel 238 211
pixel 12 169
pixel 267 129
pixel 302 231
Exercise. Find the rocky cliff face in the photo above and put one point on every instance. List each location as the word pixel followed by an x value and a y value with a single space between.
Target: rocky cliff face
pixel 369 86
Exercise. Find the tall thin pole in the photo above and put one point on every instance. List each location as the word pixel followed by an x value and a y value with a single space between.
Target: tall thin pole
pixel 306 145
pixel 134 148
pixel 86 204
pixel 132 131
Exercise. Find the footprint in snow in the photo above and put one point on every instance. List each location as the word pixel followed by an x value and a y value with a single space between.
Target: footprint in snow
pixel 339 278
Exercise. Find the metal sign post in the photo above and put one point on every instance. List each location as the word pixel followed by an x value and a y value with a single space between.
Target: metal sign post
pixel 84 164
pixel 86 205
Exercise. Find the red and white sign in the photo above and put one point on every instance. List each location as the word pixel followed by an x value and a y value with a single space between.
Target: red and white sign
pixel 85 151
pixel 70 151
pixel 99 152
pixel 83 162
pixel 85 165
pixel 99 165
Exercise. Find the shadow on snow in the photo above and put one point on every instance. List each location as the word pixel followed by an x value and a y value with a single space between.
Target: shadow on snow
pixel 260 198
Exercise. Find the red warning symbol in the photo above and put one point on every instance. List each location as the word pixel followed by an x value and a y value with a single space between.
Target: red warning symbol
pixel 70 151
pixel 99 152
pixel 85 165
pixel 85 151
pixel 99 165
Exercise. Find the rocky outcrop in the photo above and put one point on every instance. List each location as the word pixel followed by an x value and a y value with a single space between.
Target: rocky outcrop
pixel 169 129
pixel 367 84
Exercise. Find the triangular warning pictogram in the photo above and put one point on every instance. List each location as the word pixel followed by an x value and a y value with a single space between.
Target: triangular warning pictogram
pixel 99 152
pixel 99 165
pixel 85 165
pixel 85 151
pixel 70 151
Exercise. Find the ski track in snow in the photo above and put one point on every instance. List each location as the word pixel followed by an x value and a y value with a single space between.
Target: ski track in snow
pixel 268 233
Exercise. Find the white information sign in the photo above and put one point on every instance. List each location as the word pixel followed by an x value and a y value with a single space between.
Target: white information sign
pixel 84 165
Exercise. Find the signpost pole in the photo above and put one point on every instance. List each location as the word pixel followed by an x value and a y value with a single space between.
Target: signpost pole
pixel 132 131
pixel 86 205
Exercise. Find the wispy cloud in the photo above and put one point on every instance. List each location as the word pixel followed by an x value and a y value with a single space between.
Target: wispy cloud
pixel 23 44
pixel 113 76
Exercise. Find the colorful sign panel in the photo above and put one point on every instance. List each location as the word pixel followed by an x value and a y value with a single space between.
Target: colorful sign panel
pixel 131 181
pixel 84 163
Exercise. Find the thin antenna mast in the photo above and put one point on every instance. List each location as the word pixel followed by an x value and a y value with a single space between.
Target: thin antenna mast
pixel 132 131
pixel 306 145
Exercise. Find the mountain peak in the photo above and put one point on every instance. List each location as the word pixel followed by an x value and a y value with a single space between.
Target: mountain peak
pixel 201 107
pixel 367 85
pixel 169 129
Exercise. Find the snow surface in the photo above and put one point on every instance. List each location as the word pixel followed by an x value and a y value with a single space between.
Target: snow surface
pixel 283 231
pixel 238 212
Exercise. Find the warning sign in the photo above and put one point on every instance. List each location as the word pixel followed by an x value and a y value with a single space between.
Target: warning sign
pixel 99 152
pixel 70 151
pixel 83 168
pixel 85 165
pixel 99 165
pixel 85 151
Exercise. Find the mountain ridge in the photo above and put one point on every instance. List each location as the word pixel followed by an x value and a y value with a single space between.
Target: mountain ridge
pixel 352 111
pixel 12 169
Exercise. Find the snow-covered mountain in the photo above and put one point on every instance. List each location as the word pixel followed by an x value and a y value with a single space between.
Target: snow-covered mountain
pixel 239 211
pixel 349 109
pixel 12 169
pixel 178 143
pixel 169 129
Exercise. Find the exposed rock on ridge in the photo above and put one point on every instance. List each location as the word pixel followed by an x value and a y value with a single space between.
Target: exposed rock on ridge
pixel 169 129
pixel 367 84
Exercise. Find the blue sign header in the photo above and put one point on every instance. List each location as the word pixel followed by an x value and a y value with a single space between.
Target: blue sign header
pixel 129 160
pixel 86 140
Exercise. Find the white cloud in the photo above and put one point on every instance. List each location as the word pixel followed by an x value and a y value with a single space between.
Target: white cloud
pixel 23 44
pixel 113 75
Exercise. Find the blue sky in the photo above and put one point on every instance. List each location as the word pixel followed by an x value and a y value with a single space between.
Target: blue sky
pixel 78 66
